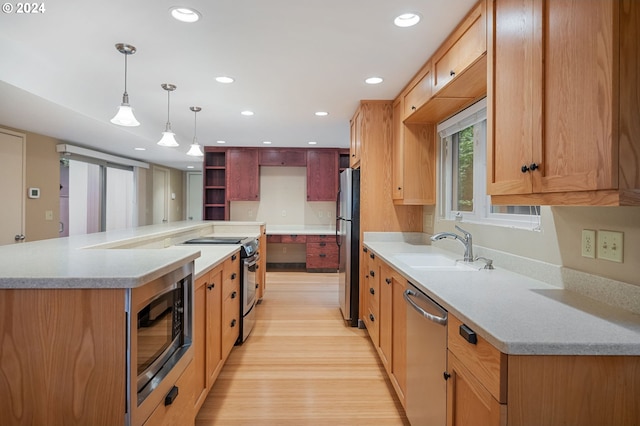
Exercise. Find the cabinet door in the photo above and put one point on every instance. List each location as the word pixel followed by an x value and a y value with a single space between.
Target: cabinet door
pixel 399 336
pixel 322 175
pixel 243 175
pixel 465 46
pixel 356 139
pixel 386 317
pixel 200 375
pixel 214 325
pixel 418 94
pixel 468 402
pixel 283 157
pixel 514 96
pixel 579 73
pixel 398 149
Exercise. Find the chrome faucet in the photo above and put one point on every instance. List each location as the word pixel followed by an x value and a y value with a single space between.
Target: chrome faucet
pixel 467 241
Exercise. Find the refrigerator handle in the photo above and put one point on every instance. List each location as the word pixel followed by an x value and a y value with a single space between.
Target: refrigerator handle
pixel 338 219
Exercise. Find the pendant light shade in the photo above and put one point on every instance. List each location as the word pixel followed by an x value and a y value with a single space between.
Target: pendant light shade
pixel 195 149
pixel 168 137
pixel 124 116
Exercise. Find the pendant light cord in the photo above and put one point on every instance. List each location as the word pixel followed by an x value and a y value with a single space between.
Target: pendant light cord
pixel 125 74
pixel 195 126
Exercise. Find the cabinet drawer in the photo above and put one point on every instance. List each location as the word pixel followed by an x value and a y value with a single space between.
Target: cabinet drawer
pixel 373 326
pixel 322 260
pixel 467 44
pixel 321 238
pixel 181 410
pixel 293 238
pixel 482 359
pixel 274 238
pixel 327 248
pixel 419 94
pixel 230 324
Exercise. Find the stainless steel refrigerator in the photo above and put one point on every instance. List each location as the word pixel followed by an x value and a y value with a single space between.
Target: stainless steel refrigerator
pixel 348 239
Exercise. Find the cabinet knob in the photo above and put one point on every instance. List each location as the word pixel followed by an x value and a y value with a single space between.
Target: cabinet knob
pixel 388 280
pixel 233 276
pixel 372 318
pixel 524 168
pixel 364 249
pixel 372 256
pixel 371 290
pixel 233 295
pixel 211 286
pixel 446 375
pixel 257 285
pixel 353 155
pixel 234 257
pixel 413 108
pixel 452 73
pixel 233 322
pixel 533 166
pixel 373 274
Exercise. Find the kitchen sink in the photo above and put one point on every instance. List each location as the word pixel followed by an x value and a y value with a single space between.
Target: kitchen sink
pixel 434 262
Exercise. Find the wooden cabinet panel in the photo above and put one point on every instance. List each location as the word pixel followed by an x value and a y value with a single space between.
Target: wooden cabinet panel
pixel 559 89
pixel 243 174
pixel 482 359
pixel 465 46
pixel 468 402
pixel 372 298
pixel 199 382
pixel 322 255
pixel 181 410
pixel 322 175
pixel 214 326
pixel 414 161
pixel 399 336
pixel 385 289
pixel 356 139
pixel 419 92
pixel 283 157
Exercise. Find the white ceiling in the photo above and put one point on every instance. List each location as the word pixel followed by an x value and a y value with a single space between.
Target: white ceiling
pixel 61 75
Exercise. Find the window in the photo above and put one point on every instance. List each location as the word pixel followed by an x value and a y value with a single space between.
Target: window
pixel 463 168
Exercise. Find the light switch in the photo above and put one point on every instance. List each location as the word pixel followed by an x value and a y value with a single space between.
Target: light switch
pixel 610 245
pixel 48 215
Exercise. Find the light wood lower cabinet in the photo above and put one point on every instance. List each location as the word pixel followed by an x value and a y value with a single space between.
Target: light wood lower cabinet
pixel 180 411
pixel 371 317
pixel 213 337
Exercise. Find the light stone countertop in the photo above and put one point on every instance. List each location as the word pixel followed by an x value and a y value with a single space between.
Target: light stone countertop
pixel 517 314
pixel 115 259
pixel 301 229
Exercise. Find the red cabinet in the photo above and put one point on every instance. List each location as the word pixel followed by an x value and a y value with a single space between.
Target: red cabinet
pixel 283 157
pixel 322 175
pixel 243 175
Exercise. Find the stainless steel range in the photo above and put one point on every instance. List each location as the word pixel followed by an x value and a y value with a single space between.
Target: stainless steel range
pixel 248 284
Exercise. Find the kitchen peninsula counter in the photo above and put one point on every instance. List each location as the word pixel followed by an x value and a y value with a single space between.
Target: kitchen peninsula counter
pixel 517 314
pixel 125 258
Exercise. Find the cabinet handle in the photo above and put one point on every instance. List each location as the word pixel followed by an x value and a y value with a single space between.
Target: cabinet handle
pixel 233 276
pixel 524 168
pixel 468 334
pixel 323 244
pixel 234 257
pixel 371 255
pixel 533 166
pixel 373 274
pixel 234 294
pixel 323 255
pixel 446 375
pixel 257 285
pixel 233 322
pixel 399 188
pixel 364 249
pixel 413 108
pixel 452 73
pixel 372 318
pixel 371 290
pixel 388 280
pixel 353 155
pixel 171 396
pixel 211 286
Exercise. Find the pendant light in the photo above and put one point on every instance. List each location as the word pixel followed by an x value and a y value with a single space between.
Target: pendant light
pixel 195 149
pixel 168 137
pixel 124 116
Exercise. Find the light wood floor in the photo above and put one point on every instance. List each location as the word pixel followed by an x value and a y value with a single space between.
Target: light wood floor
pixel 302 365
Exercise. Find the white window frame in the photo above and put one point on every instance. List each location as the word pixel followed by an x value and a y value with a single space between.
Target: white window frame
pixel 475 115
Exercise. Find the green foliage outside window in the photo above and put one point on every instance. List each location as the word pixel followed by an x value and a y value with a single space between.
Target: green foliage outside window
pixel 465 170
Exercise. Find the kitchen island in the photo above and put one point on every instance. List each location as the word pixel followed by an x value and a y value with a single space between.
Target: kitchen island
pixel 518 348
pixel 64 321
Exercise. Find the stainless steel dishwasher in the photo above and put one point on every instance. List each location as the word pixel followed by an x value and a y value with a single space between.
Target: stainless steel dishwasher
pixel 426 396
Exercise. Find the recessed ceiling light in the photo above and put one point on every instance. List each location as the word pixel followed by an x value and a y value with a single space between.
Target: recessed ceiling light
pixel 221 141
pixel 407 20
pixel 247 113
pixel 313 143
pixel 190 167
pixel 373 80
pixel 140 149
pixel 224 79
pixel 184 14
pixel 267 142
pixel 322 113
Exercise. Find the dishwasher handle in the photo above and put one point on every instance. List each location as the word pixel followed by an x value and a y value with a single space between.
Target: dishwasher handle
pixel 442 320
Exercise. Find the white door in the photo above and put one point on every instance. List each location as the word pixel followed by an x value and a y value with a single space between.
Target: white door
pixel 12 175
pixel 160 195
pixel 194 196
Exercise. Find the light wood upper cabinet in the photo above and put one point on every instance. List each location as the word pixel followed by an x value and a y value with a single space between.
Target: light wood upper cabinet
pixel 418 93
pixel 563 102
pixel 356 139
pixel 414 161
pixel 465 46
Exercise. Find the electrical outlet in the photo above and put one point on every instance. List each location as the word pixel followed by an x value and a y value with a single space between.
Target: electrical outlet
pixel 48 215
pixel 589 243
pixel 284 249
pixel 610 245
pixel 284 213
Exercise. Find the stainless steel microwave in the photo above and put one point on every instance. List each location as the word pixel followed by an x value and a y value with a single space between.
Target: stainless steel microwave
pixel 160 318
